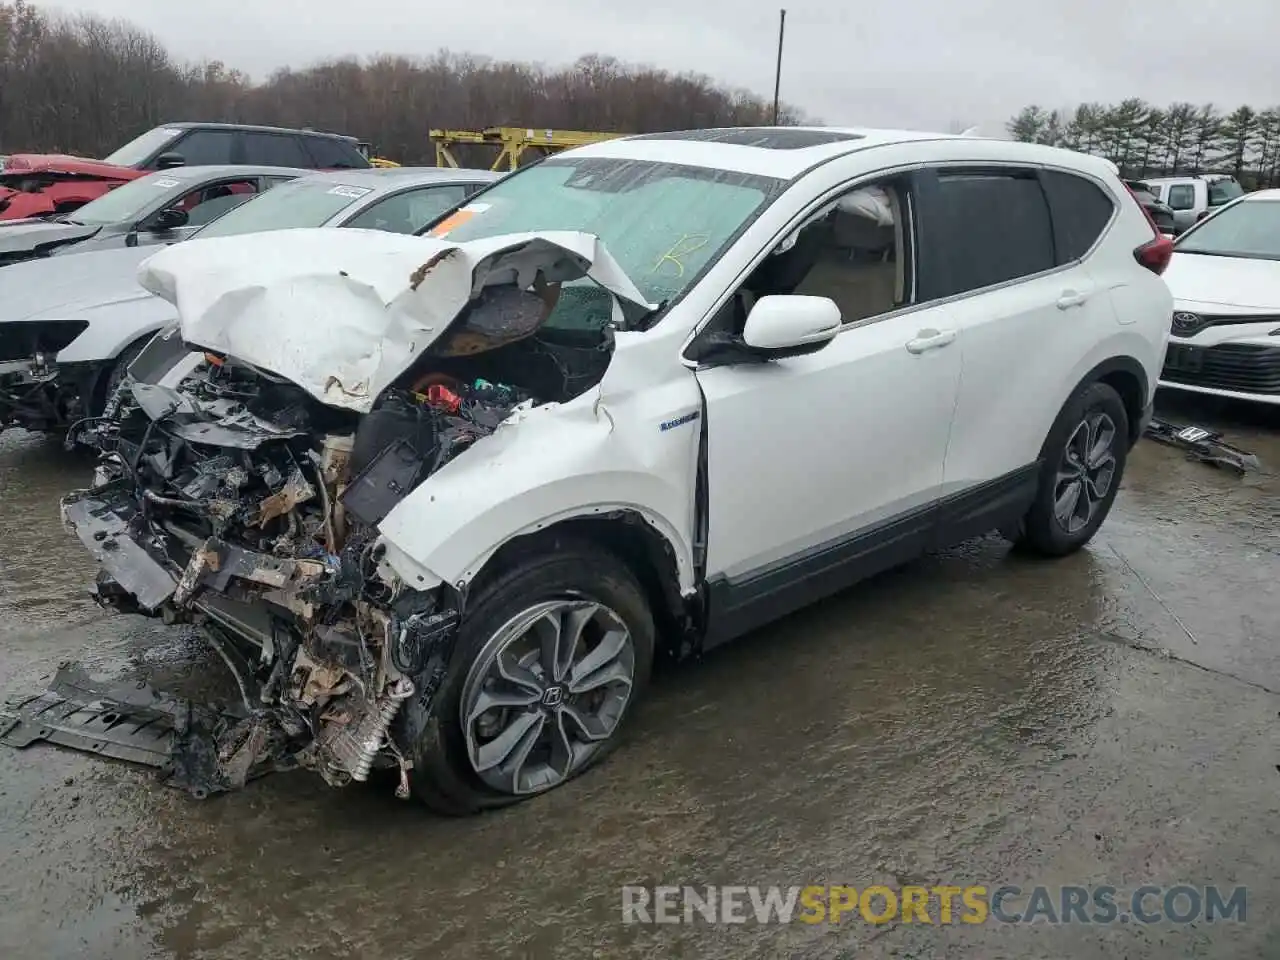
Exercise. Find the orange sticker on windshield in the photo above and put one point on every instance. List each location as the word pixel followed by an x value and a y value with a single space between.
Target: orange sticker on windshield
pixel 458 218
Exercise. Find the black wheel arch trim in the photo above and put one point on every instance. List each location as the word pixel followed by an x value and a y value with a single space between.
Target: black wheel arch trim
pixel 1136 406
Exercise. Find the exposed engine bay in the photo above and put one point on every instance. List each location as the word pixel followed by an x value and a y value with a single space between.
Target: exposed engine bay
pixel 230 497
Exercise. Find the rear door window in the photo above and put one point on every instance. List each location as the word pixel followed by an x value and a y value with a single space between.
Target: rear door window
pixel 203 147
pixel 1081 211
pixel 410 211
pixel 1182 196
pixel 274 150
pixel 997 228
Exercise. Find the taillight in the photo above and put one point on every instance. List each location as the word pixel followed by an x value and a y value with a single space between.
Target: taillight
pixel 1155 254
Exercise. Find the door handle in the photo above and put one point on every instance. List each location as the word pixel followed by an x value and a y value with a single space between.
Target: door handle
pixel 930 340
pixel 1071 298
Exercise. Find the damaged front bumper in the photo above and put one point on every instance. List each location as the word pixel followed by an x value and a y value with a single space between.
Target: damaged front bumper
pixel 314 694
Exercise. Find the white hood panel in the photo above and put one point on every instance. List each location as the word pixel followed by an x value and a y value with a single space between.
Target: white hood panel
pixel 343 313
pixel 1236 283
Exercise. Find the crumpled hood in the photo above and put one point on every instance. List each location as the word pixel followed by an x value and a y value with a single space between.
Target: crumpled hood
pixel 30 235
pixel 343 313
pixel 1231 282
pixel 20 164
pixel 60 287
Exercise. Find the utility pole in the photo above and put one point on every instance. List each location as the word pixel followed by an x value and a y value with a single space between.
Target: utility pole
pixel 777 76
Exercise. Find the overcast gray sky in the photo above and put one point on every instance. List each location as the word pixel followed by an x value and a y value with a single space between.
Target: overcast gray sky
pixel 912 63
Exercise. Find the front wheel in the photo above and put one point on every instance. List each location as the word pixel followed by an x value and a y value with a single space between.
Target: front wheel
pixel 549 663
pixel 1082 463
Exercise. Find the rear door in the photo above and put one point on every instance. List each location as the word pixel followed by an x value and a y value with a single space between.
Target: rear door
pixel 1026 306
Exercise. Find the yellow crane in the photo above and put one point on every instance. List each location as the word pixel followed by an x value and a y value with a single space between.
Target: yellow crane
pixel 513 142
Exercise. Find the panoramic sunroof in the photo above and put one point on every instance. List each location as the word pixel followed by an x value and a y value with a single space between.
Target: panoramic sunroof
pixel 769 138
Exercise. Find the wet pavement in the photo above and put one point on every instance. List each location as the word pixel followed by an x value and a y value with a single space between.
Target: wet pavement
pixel 973 718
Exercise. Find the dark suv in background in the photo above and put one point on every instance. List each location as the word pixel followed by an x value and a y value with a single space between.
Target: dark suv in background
pixel 1160 213
pixel 36 185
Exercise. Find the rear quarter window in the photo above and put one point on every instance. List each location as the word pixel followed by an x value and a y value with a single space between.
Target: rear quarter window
pixel 1224 191
pixel 329 154
pixel 1081 211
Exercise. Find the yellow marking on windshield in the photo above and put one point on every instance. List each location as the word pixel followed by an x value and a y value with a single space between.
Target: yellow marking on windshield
pixel 687 244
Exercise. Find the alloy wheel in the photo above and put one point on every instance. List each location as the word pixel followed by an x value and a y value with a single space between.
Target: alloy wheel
pixel 1086 473
pixel 546 693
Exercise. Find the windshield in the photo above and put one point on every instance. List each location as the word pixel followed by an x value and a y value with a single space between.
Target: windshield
pixel 664 223
pixel 139 149
pixel 299 203
pixel 1249 229
pixel 1224 191
pixel 126 202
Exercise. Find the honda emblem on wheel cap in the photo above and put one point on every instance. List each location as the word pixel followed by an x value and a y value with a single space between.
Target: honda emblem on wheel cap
pixel 1185 324
pixel 553 696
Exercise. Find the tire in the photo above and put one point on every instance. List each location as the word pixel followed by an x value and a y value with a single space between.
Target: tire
pixel 1045 531
pixel 576 578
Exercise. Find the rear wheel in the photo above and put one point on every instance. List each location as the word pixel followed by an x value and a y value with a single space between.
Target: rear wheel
pixel 1083 462
pixel 548 666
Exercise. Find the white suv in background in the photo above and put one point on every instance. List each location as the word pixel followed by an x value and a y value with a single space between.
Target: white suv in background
pixel 742 369
pixel 1193 198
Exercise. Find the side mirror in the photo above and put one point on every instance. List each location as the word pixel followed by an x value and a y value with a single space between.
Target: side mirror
pixel 790 326
pixel 167 161
pixel 166 220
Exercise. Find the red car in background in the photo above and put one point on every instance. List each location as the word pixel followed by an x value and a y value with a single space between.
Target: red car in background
pixel 39 185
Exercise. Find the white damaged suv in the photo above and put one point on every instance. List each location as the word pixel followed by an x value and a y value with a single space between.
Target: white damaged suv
pixel 449 495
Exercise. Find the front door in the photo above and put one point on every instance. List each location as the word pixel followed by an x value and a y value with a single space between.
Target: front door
pixel 823 468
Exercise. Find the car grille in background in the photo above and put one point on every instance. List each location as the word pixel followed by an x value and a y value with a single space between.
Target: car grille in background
pixel 1188 324
pixel 1243 367
pixel 20 341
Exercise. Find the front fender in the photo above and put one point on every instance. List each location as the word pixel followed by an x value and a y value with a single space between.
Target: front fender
pixel 543 466
pixel 113 326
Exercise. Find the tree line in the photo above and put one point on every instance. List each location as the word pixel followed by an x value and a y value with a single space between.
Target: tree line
pixel 85 85
pixel 1146 140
